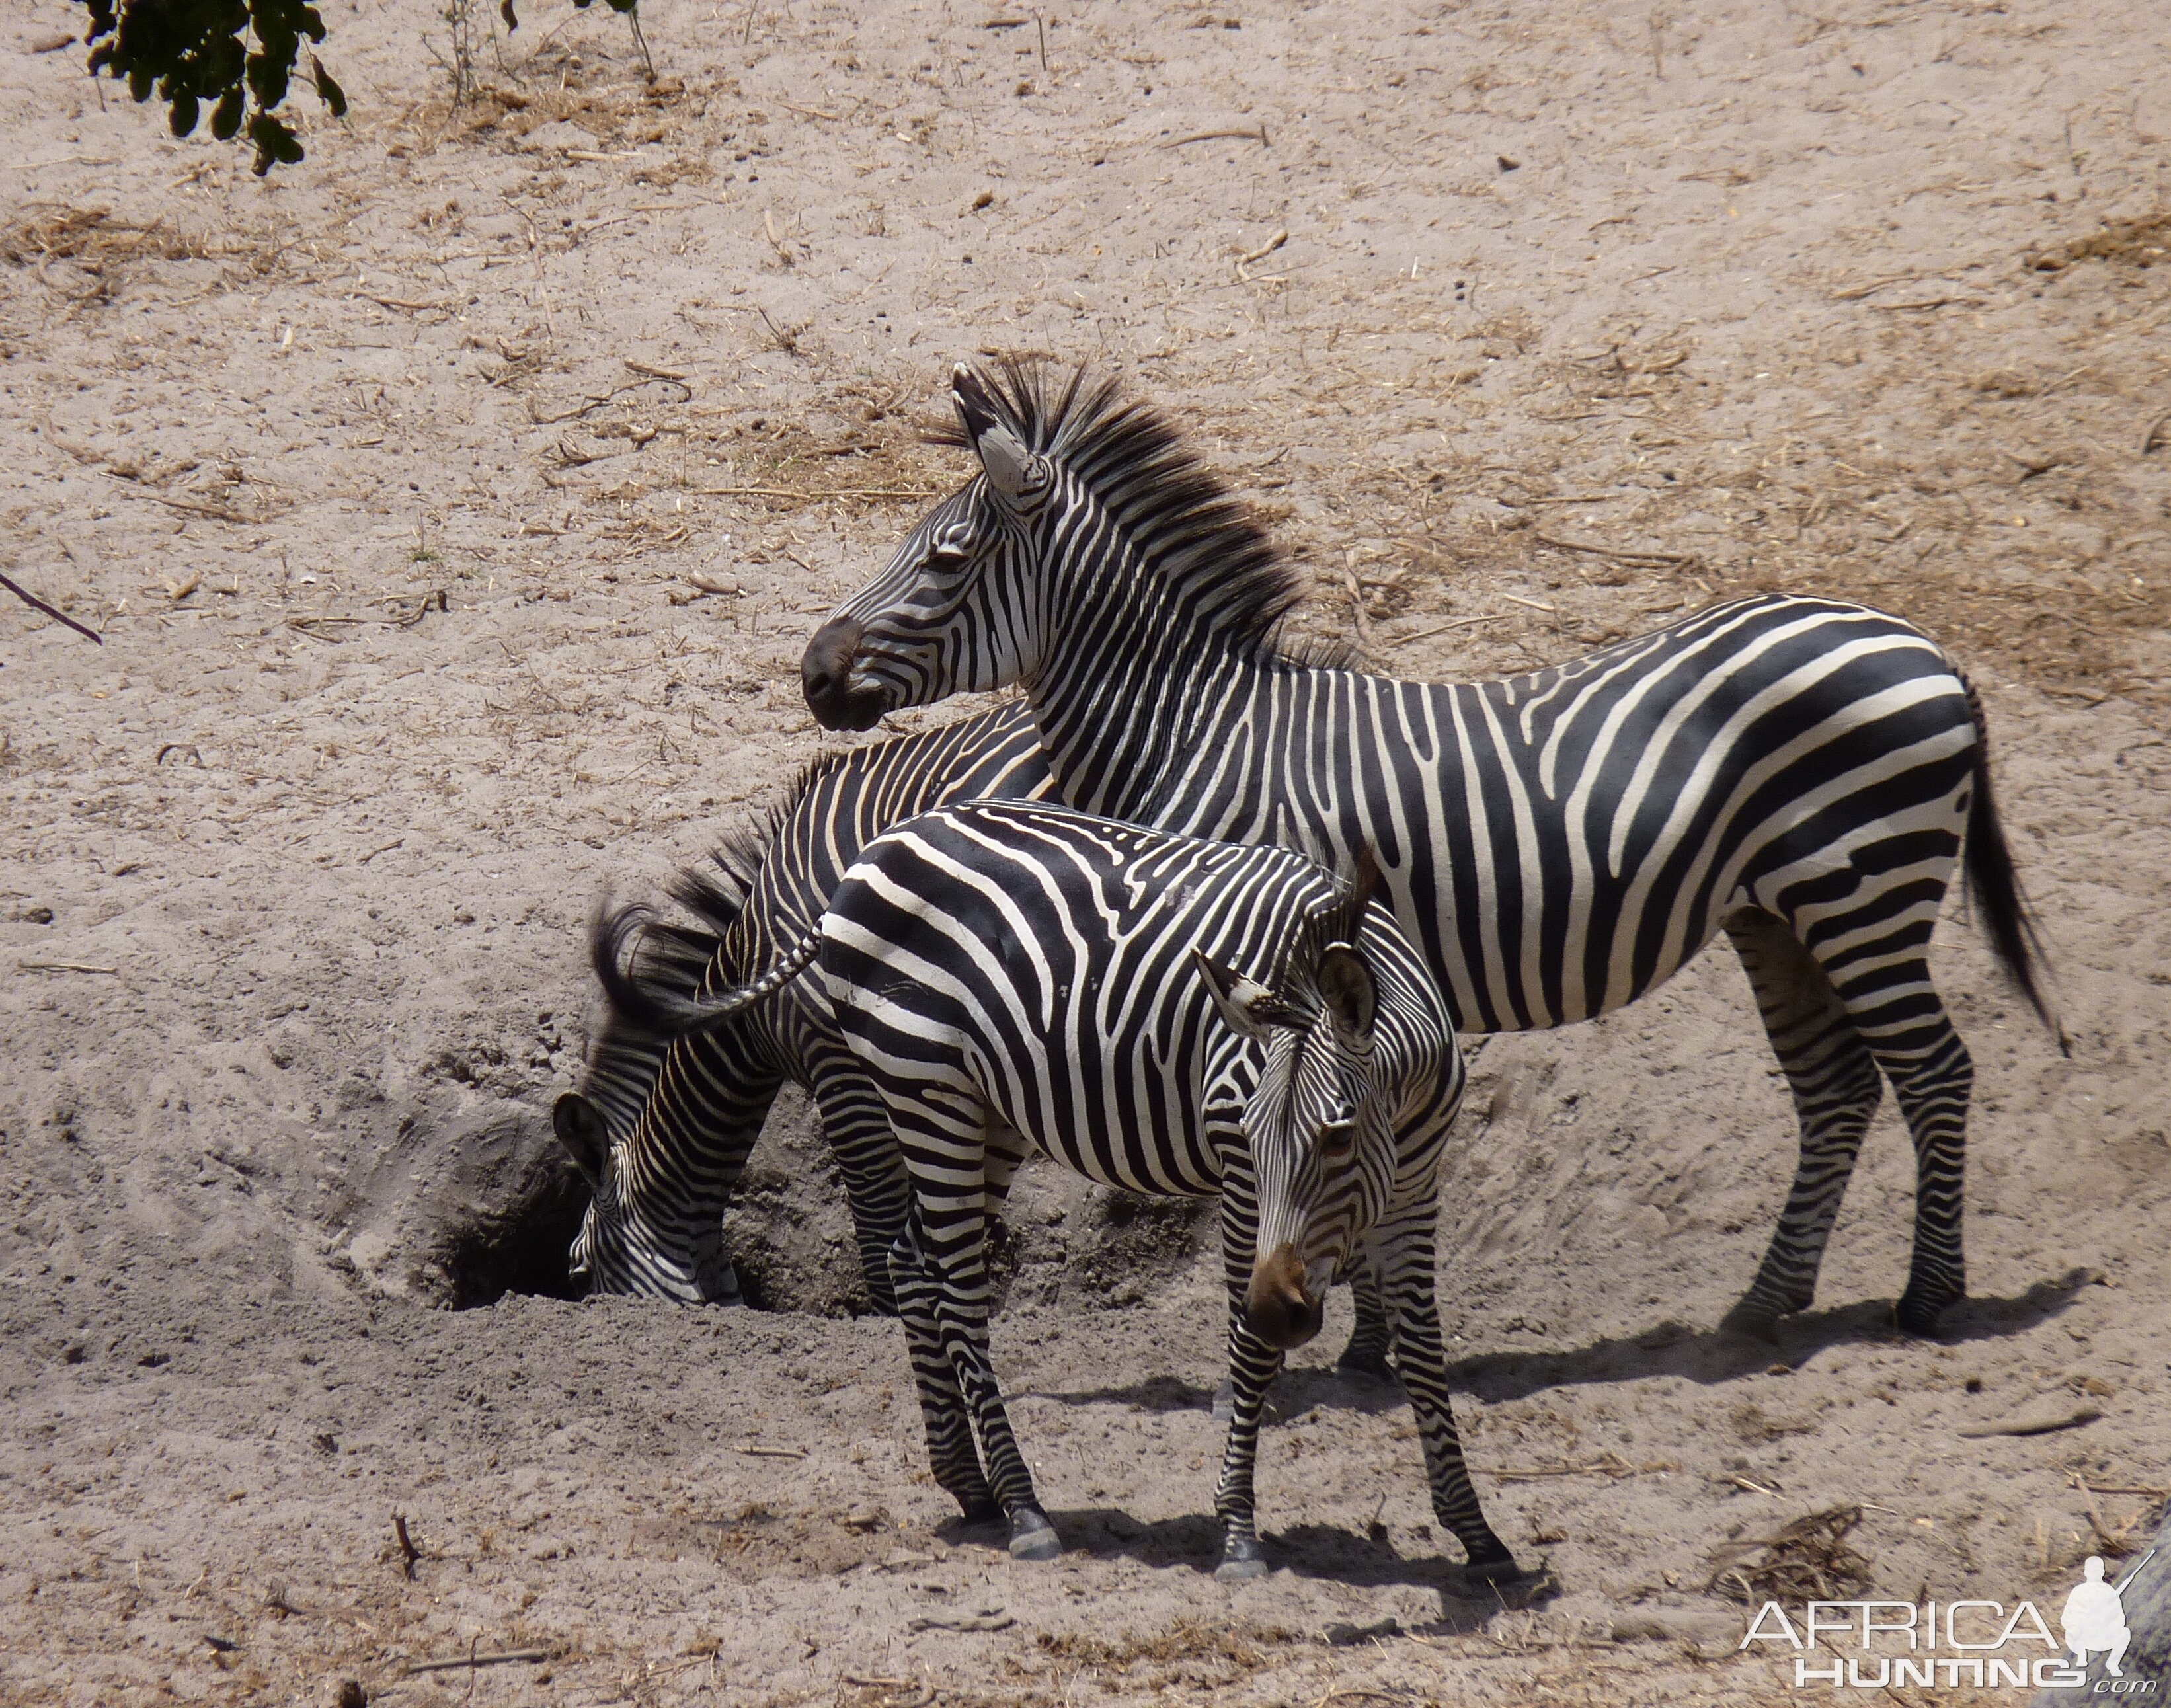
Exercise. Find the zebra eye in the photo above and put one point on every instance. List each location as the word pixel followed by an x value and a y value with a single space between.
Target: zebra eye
pixel 1337 1138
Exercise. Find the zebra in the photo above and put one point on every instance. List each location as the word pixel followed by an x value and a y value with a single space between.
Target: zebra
pixel 662 1138
pixel 1799 773
pixel 660 1129
pixel 1017 976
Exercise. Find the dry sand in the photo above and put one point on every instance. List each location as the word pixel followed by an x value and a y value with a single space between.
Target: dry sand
pixel 1861 297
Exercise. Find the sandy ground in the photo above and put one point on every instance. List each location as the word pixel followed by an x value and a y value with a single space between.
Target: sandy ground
pixel 1526 324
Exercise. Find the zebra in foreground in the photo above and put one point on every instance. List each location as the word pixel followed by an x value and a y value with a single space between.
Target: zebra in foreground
pixel 661 1132
pixel 661 1129
pixel 1164 1014
pixel 1799 772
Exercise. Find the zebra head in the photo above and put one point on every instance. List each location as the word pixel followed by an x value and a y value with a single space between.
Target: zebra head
pixel 932 624
pixel 1319 1126
pixel 617 1250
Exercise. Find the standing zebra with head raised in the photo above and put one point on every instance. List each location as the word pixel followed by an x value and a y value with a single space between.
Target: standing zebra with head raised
pixel 1167 1015
pixel 1799 772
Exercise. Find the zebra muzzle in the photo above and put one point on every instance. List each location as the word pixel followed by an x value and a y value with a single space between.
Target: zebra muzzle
pixel 825 677
pixel 1280 1309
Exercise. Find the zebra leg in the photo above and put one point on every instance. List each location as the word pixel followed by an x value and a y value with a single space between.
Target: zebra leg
pixel 1404 1246
pixel 1897 1008
pixel 949 1164
pixel 1372 1336
pixel 1833 1076
pixel 880 1191
pixel 1252 1367
pixel 955 1458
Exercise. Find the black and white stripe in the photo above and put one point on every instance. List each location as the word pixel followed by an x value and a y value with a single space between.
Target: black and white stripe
pixel 662 1131
pixel 1170 1016
pixel 1799 773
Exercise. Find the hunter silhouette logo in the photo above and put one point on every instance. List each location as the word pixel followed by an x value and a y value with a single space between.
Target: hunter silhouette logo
pixel 2094 1618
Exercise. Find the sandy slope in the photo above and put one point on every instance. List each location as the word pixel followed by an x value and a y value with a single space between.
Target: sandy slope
pixel 296 864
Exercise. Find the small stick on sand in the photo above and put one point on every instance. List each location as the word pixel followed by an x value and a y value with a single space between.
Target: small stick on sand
pixel 2033 1426
pixel 511 1657
pixel 2156 426
pixel 407 1547
pixel 1627 555
pixel 64 966
pixel 1257 135
pixel 37 604
pixel 772 1452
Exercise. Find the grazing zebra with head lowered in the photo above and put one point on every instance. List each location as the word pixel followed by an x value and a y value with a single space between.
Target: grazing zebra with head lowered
pixel 663 1133
pixel 1799 772
pixel 1170 1016
pixel 661 1130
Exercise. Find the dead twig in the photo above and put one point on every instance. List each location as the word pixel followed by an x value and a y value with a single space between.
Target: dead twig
pixel 1443 627
pixel 2148 439
pixel 64 966
pixel 813 492
pixel 410 1553
pixel 509 1658
pixel 37 604
pixel 752 1452
pixel 1256 134
pixel 2041 1425
pixel 1627 555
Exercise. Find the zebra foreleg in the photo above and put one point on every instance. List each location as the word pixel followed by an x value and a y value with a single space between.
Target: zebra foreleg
pixel 1403 1245
pixel 955 1458
pixel 1252 1367
pixel 1834 1078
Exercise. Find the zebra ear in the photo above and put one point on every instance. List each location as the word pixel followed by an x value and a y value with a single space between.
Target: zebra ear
pixel 1009 464
pixel 580 1129
pixel 1347 986
pixel 975 402
pixel 1250 1009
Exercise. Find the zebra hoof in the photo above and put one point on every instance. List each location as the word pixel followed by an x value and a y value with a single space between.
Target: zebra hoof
pixel 1240 1561
pixel 979 1512
pixel 1755 1322
pixel 1365 1365
pixel 1032 1536
pixel 1224 1402
pixel 1490 1567
pixel 1918 1314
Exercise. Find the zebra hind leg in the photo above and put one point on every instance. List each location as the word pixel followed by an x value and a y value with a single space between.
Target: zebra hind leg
pixel 1932 1078
pixel 1834 1078
pixel 1372 1337
pixel 955 1458
pixel 1408 1262
pixel 962 1296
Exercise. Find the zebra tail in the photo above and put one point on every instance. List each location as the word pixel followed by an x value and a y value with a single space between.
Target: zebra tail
pixel 1993 885
pixel 666 1012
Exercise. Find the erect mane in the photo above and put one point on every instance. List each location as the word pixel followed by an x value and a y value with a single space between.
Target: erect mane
pixel 645 963
pixel 1195 532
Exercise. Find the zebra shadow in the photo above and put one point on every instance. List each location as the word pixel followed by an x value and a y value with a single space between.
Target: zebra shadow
pixel 1708 1357
pixel 1296 1392
pixel 1308 1550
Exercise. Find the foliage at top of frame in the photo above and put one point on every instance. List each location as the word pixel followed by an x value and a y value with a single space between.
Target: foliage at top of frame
pixel 237 56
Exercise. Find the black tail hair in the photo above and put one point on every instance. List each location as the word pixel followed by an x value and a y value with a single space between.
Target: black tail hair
pixel 649 968
pixel 1993 884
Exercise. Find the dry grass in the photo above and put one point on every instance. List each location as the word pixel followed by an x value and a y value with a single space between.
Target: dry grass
pixel 1808 1559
